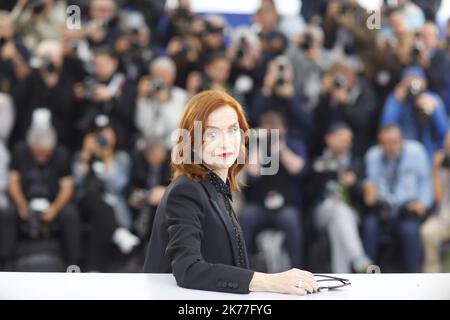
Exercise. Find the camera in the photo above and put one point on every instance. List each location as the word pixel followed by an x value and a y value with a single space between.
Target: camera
pixel 212 29
pixel 282 64
pixel 339 81
pixel 139 195
pixel 345 8
pixel 242 48
pixel 88 88
pixel 156 86
pixel 308 41
pixel 446 161
pixel 2 41
pixel 185 48
pixel 101 121
pixel 37 207
pixel 416 51
pixel 36 6
pixel 323 165
pixel 45 63
pixel 48 66
pixel 413 92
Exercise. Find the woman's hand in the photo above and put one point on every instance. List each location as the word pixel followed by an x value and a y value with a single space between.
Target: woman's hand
pixel 294 281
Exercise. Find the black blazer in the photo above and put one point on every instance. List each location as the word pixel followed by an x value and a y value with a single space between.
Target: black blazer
pixel 193 238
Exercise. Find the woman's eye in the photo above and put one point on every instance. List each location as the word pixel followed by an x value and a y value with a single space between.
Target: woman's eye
pixel 234 130
pixel 211 134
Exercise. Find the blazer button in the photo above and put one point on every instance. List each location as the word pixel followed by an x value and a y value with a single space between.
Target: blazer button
pixel 230 284
pixel 224 284
pixel 219 284
pixel 235 285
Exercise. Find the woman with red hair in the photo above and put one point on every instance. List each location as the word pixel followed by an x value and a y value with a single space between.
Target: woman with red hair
pixel 196 235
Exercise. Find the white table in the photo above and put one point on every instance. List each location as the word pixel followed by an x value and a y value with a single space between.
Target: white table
pixel 15 285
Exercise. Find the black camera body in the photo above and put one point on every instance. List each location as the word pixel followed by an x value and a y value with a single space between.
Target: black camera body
pixel 156 86
pixel 281 79
pixel 308 41
pixel 242 48
pixel 48 66
pixel 37 207
pixel 416 52
pixel 36 6
pixel 2 41
pixel 339 81
pixel 446 161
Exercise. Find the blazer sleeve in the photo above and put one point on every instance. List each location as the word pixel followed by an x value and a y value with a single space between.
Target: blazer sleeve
pixel 185 212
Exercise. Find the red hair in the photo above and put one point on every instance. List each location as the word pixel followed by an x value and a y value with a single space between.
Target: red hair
pixel 198 108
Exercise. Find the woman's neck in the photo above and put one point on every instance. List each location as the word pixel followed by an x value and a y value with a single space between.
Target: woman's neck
pixel 222 173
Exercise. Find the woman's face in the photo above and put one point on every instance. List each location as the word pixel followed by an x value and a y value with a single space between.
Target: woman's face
pixel 222 139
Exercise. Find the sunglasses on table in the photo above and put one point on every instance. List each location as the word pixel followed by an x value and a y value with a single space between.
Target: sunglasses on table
pixel 330 282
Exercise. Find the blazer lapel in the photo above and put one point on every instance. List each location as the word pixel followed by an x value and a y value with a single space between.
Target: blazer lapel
pixel 223 214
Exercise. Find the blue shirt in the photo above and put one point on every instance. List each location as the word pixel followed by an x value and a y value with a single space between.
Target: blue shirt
pixel 430 134
pixel 401 181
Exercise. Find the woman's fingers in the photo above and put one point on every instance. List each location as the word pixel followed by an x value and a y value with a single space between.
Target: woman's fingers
pixel 299 291
pixel 304 284
pixel 309 280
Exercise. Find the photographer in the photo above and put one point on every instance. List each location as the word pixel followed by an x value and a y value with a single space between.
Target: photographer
pixel 185 52
pixel 244 53
pixel 149 176
pixel 398 192
pixel 47 87
pixel 102 29
pixel 41 188
pixel 336 184
pixel 436 230
pixel 14 56
pixel 345 97
pixel 133 47
pixel 101 172
pixel 310 61
pixel 274 200
pixel 106 92
pixel 278 94
pixel 419 112
pixel 159 103
pixel 99 29
pixel 345 28
pixel 434 61
pixel 213 37
pixel 38 20
pixel 215 76
pixel 176 22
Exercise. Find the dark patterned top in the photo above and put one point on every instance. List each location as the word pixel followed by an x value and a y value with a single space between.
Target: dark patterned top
pixel 224 189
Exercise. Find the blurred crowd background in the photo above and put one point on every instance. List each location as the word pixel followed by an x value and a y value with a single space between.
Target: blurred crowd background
pixel 361 101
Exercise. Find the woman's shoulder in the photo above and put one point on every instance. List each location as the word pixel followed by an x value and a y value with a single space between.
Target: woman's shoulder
pixel 184 183
pixel 184 193
pixel 185 186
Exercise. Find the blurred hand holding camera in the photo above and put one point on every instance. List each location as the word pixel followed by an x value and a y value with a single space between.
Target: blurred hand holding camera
pixel 50 214
pixel 96 30
pixel 426 102
pixel 155 195
pixel 8 51
pixel 417 207
pixel 347 179
pixel 153 88
pixel 279 79
pixel 101 93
